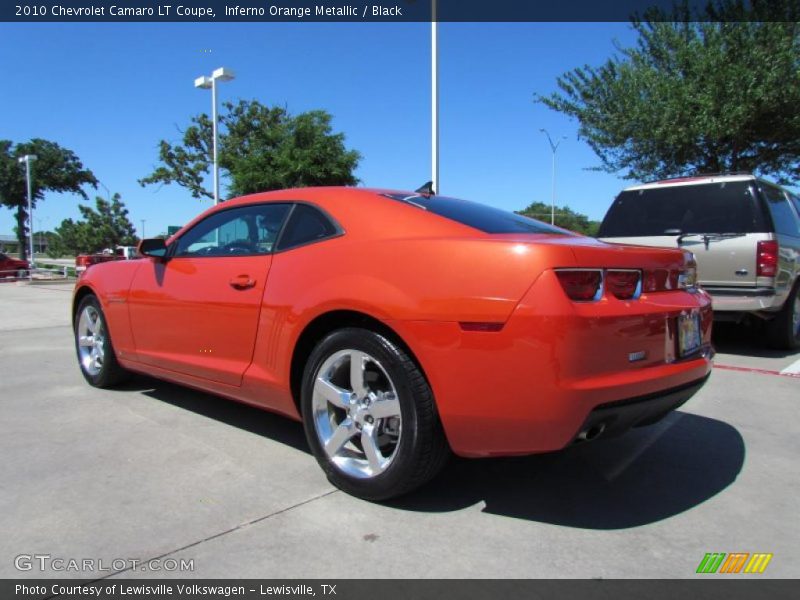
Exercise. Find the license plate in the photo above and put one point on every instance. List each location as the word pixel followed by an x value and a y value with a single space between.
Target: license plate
pixel 688 333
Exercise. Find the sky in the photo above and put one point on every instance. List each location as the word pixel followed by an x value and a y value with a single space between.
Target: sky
pixel 111 91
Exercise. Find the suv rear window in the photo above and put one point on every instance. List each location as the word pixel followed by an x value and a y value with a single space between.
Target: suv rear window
pixel 727 207
pixel 478 216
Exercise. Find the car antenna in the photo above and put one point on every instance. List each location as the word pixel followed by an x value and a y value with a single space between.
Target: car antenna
pixel 426 189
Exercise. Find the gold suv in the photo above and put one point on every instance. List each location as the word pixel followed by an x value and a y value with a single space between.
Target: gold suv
pixel 744 232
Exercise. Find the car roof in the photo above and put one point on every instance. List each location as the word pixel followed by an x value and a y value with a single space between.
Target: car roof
pixel 355 209
pixel 692 180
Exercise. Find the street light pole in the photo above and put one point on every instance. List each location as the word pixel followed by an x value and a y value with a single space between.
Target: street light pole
pixel 108 192
pixel 41 242
pixel 553 147
pixel 27 159
pixel 434 100
pixel 143 220
pixel 221 74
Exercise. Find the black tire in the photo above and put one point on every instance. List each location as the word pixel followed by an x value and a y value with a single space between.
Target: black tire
pixel 108 372
pixel 422 449
pixel 783 332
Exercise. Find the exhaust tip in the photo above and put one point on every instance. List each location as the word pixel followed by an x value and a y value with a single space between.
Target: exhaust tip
pixel 592 433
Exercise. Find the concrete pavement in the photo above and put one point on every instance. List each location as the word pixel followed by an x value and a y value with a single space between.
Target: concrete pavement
pixel 154 470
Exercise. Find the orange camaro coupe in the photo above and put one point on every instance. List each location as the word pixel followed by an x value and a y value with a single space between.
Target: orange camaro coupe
pixel 401 326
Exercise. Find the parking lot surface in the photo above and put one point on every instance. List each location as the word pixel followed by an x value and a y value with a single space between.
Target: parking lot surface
pixel 152 470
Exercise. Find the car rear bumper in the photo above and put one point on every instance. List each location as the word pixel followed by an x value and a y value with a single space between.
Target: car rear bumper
pixel 616 418
pixel 531 387
pixel 743 299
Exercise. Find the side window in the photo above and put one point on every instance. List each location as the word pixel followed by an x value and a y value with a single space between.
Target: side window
pixel 782 214
pixel 796 202
pixel 306 224
pixel 243 231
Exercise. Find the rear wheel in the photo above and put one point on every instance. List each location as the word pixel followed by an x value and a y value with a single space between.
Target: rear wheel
pixel 369 416
pixel 93 345
pixel 783 332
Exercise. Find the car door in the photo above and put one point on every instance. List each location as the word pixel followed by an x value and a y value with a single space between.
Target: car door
pixel 196 312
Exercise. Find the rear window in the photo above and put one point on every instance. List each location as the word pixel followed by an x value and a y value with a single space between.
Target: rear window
pixel 478 216
pixel 727 207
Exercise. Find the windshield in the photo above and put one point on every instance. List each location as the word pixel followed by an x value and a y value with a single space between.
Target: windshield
pixel 727 207
pixel 478 216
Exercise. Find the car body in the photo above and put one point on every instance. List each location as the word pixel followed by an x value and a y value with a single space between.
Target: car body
pixel 436 324
pixel 744 232
pixel 12 267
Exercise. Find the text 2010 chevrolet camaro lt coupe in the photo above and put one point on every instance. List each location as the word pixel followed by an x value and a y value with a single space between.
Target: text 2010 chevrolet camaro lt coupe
pixel 402 326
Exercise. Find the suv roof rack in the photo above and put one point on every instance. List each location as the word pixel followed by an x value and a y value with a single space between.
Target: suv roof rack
pixel 700 176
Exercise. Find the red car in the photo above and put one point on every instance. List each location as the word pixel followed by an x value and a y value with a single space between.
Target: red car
pixel 402 326
pixel 12 267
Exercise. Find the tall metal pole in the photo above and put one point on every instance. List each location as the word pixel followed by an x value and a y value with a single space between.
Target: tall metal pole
pixel 553 193
pixel 27 160
pixel 434 100
pixel 143 220
pixel 214 124
pixel 221 74
pixel 30 210
pixel 553 147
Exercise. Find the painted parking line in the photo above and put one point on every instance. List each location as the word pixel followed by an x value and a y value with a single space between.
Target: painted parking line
pixel 792 371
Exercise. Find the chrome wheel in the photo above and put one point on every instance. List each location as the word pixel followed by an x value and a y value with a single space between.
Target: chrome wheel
pixel 91 341
pixel 356 413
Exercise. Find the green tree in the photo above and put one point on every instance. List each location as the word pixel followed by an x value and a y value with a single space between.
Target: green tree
pixel 52 242
pixel 698 93
pixel 107 226
pixel 56 169
pixel 565 217
pixel 67 241
pixel 260 149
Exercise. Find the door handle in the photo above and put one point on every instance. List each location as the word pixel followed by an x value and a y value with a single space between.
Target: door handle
pixel 242 282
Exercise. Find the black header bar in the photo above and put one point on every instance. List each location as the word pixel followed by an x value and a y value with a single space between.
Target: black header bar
pixel 395 11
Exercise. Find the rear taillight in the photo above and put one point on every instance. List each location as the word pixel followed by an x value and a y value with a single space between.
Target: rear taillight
pixel 581 285
pixel 624 284
pixel 767 258
pixel 656 280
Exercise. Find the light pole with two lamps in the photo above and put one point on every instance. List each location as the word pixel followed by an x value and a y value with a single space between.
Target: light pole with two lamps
pixel 553 147
pixel 221 74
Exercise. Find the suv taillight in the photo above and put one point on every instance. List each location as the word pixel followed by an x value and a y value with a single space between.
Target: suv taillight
pixel 581 285
pixel 767 259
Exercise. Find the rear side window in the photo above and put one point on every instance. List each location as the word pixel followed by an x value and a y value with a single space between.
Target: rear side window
pixel 796 201
pixel 782 214
pixel 306 224
pixel 478 216
pixel 727 207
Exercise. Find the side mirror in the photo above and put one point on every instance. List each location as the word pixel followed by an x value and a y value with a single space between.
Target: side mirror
pixel 155 247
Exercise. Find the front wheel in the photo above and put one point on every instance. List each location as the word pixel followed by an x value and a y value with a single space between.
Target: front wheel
pixel 783 332
pixel 93 345
pixel 369 416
